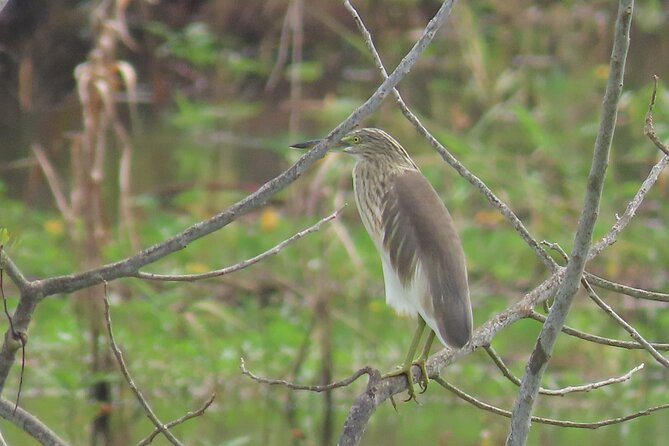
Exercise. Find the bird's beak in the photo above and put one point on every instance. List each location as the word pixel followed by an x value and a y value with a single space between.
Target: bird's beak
pixel 306 145
pixel 342 145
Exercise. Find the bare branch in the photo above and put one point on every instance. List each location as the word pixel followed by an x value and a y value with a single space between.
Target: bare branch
pixel 613 286
pixel 630 211
pixel 565 390
pixel 54 184
pixel 624 289
pixel 30 424
pixel 628 328
pixel 631 345
pixel 126 374
pixel 495 201
pixel 241 265
pixel 179 420
pixel 17 336
pixel 377 392
pixel 297 34
pixel 562 423
pixel 282 53
pixel 536 365
pixel 129 266
pixel 649 129
pixel 6 264
pixel 373 375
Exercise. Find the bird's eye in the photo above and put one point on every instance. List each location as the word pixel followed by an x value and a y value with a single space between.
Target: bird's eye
pixel 356 139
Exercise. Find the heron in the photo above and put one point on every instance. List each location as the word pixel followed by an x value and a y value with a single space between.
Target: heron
pixel 424 265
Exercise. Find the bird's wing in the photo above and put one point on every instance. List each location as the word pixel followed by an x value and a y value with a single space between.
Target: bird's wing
pixel 419 231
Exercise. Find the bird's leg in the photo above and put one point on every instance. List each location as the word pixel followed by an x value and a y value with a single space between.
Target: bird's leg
pixel 405 368
pixel 422 360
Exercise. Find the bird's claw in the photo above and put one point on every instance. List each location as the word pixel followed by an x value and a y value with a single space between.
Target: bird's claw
pixel 406 371
pixel 424 378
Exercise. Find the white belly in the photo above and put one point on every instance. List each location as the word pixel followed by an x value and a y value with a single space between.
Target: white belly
pixel 412 300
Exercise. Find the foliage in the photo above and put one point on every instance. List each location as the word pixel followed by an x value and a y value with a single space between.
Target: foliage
pixel 505 88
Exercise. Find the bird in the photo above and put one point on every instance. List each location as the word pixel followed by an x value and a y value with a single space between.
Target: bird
pixel 424 265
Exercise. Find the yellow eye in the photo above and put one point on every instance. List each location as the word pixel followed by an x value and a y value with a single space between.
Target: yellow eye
pixel 356 139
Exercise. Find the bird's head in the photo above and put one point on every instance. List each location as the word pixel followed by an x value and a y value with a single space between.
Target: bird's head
pixel 366 144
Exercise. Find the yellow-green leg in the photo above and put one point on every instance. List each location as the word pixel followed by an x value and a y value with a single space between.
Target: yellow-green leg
pixel 422 360
pixel 405 368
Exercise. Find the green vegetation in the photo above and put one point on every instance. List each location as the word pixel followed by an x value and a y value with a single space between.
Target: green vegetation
pixel 513 91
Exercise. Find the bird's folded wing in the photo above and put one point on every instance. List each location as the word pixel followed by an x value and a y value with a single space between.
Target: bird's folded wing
pixel 418 230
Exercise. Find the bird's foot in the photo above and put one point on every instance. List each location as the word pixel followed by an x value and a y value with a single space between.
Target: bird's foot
pixel 406 371
pixel 424 379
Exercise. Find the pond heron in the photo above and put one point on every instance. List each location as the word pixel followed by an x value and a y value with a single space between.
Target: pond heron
pixel 423 261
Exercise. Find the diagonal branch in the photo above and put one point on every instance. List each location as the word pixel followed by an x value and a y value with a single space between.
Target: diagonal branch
pixel 126 374
pixel 624 289
pixel 54 184
pixel 562 423
pixel 374 376
pixel 536 365
pixel 197 413
pixel 649 129
pixel 631 209
pixel 14 273
pixel 367 402
pixel 630 345
pixel 130 265
pixel 628 328
pixel 565 390
pixel 30 424
pixel 495 201
pixel 241 265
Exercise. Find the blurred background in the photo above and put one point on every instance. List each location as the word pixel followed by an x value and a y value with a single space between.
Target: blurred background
pixel 123 122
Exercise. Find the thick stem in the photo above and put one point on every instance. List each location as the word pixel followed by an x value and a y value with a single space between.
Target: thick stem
pixel 522 409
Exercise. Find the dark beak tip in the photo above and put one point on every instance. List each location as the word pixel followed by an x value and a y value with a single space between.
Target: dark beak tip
pixel 305 144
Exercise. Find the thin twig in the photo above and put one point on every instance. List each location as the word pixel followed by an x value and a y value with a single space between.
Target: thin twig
pixel 495 201
pixel 631 209
pixel 609 285
pixel 653 175
pixel 649 129
pixel 282 54
pixel 323 388
pixel 624 289
pixel 124 181
pixel 241 265
pixel 630 345
pixel 54 184
pixel 297 29
pixel 562 423
pixel 4 299
pixel 628 328
pixel 565 390
pixel 179 420
pixel 126 374
pixel 20 337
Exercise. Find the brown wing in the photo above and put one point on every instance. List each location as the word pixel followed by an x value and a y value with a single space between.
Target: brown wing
pixel 418 228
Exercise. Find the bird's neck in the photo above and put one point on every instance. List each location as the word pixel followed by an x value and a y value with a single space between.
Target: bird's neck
pixel 370 184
